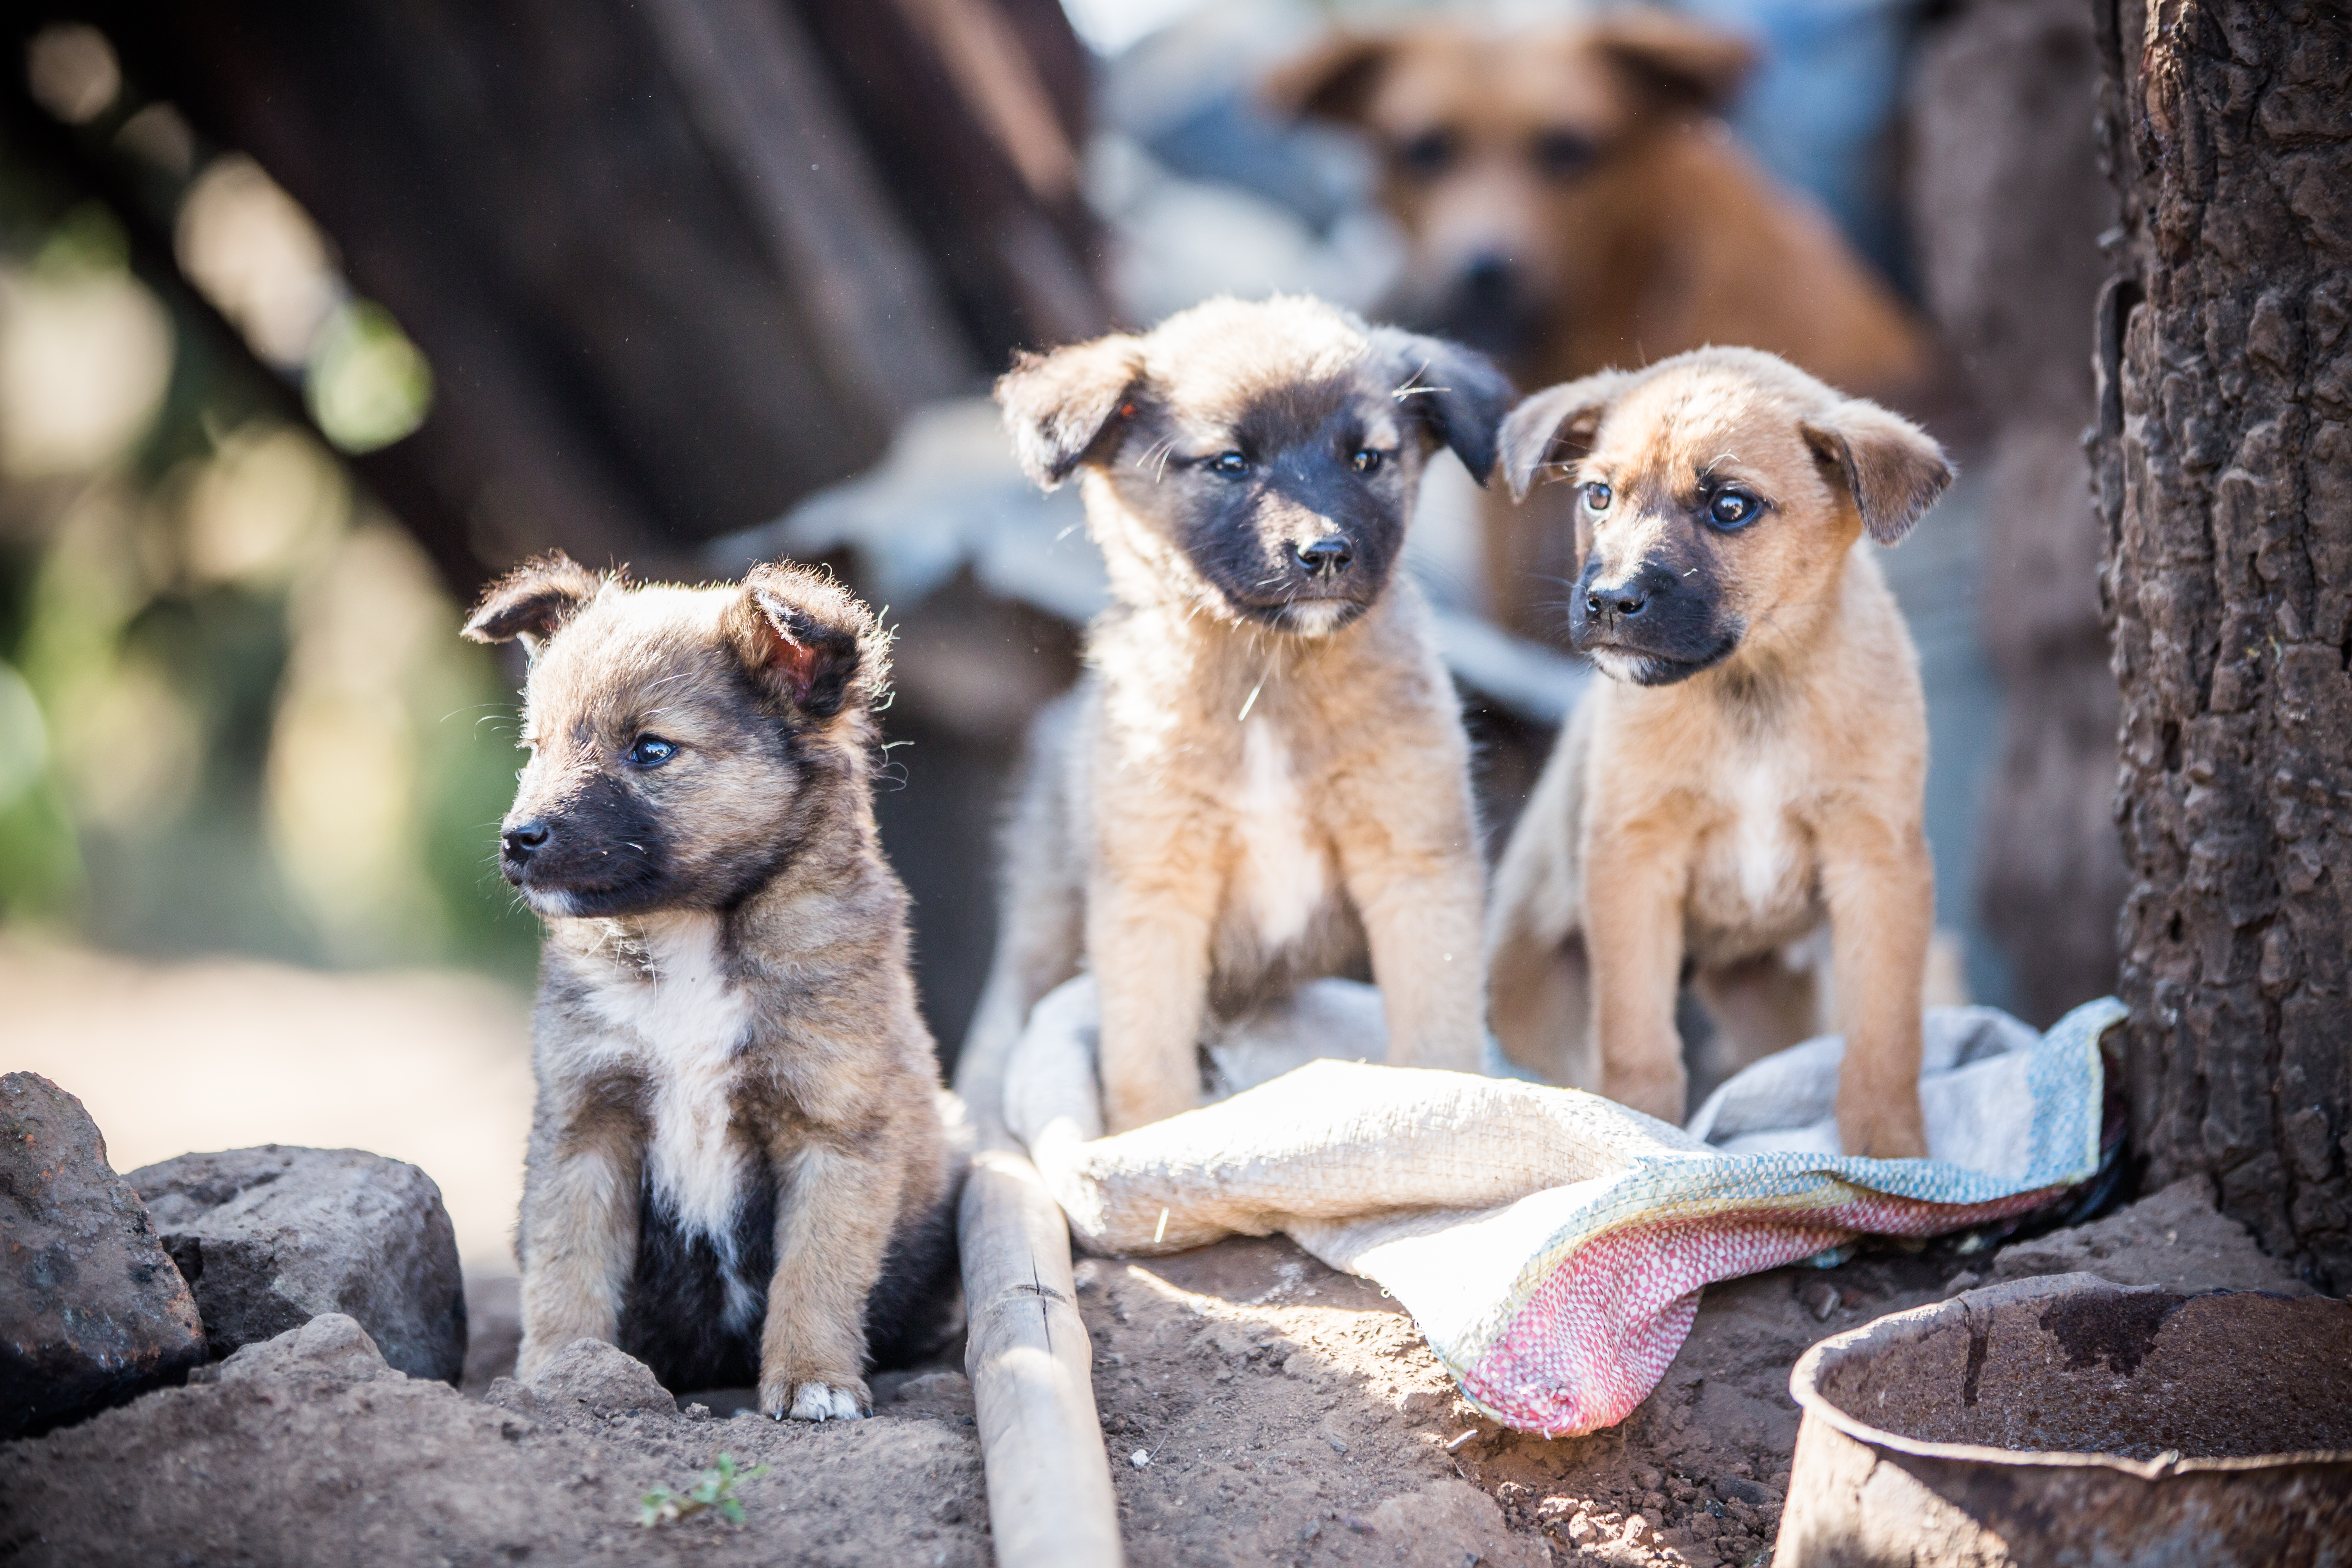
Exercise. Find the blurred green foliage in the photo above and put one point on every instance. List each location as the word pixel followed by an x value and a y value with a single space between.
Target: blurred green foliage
pixel 235 714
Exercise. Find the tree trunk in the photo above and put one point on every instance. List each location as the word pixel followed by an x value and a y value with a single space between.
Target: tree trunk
pixel 2224 467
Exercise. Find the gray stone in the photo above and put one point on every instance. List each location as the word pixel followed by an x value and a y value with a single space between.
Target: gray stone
pixel 602 1377
pixel 272 1238
pixel 2175 1239
pixel 91 1310
pixel 330 1348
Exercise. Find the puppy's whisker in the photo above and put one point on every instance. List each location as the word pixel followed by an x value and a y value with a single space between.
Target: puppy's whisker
pixel 1408 388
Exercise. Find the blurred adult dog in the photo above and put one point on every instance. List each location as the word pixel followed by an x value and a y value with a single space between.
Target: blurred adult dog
pixel 1263 778
pixel 1572 203
pixel 739 1171
pixel 1756 762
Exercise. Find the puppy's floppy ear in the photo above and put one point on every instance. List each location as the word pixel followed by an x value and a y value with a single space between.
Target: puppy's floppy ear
pixel 1570 413
pixel 1333 81
pixel 1683 63
pixel 1060 406
pixel 808 640
pixel 1892 468
pixel 532 601
pixel 1456 394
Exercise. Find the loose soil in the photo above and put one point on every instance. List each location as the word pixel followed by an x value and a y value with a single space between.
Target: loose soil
pixel 1283 1414
pixel 1290 1414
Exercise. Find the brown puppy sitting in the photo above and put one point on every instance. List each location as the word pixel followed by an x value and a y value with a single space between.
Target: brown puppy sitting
pixel 738 1168
pixel 1263 778
pixel 1756 762
pixel 1571 202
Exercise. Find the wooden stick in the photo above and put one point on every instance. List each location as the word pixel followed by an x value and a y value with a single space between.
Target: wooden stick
pixel 1030 1362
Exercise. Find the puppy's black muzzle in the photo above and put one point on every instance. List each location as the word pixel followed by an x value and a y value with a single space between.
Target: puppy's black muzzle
pixel 1665 618
pixel 601 846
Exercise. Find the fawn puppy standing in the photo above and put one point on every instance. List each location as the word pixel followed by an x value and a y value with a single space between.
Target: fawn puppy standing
pixel 1263 778
pixel 1756 762
pixel 739 1171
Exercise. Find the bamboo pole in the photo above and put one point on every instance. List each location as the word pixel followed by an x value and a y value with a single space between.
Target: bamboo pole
pixel 1031 1364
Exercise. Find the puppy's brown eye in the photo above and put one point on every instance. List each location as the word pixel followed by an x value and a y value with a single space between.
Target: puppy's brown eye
pixel 1732 508
pixel 1564 155
pixel 1429 155
pixel 1232 465
pixel 1368 461
pixel 1597 496
pixel 651 751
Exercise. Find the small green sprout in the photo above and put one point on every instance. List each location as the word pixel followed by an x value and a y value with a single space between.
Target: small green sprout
pixel 715 1490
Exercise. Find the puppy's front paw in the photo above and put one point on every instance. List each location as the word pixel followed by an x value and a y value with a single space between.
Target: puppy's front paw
pixel 1140 1107
pixel 532 1358
pixel 813 1400
pixel 1882 1132
pixel 1658 1094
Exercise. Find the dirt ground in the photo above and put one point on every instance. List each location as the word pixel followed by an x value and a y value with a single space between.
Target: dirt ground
pixel 325 1474
pixel 1284 1413
pixel 1291 1414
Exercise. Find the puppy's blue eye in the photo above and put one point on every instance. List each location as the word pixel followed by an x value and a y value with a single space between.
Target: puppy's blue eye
pixel 1732 508
pixel 651 752
pixel 1368 461
pixel 1597 496
pixel 1232 465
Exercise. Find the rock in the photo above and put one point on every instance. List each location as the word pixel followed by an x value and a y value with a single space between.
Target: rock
pixel 602 1377
pixel 91 1310
pixel 1449 1521
pixel 1739 1488
pixel 330 1348
pixel 271 1237
pixel 2175 1239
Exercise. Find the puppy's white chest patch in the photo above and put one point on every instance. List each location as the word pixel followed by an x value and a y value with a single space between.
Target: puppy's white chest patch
pixel 1285 870
pixel 1762 852
pixel 689 1021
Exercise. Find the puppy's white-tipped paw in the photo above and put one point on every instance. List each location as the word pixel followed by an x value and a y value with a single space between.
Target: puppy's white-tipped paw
pixel 823 1402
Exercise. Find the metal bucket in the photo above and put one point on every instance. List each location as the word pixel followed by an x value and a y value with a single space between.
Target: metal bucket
pixel 2067 1420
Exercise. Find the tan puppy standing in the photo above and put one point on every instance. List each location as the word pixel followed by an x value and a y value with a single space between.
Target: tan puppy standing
pixel 1756 762
pixel 1263 778
pixel 739 1170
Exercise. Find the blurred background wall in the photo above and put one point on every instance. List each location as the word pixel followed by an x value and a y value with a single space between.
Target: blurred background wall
pixel 313 318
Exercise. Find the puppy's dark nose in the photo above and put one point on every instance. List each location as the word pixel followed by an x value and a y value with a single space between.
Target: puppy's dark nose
pixel 1621 603
pixel 1488 280
pixel 1485 305
pixel 524 838
pixel 1327 556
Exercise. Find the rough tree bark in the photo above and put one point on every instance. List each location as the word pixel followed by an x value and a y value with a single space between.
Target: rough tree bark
pixel 2224 467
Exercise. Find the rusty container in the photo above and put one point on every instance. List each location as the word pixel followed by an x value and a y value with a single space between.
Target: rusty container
pixel 2067 1420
